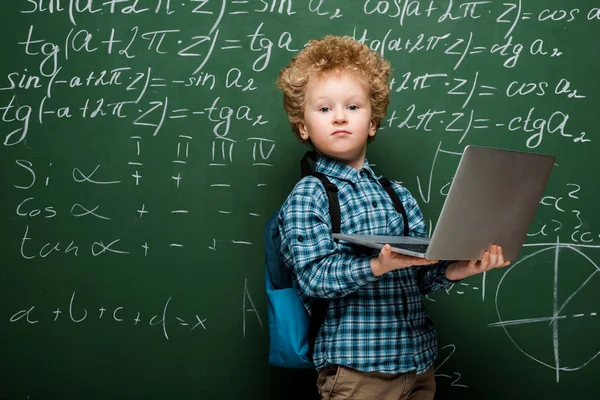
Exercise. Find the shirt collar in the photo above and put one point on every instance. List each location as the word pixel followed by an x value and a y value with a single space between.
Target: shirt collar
pixel 340 170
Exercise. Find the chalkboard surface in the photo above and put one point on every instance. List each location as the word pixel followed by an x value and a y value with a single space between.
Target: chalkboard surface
pixel 143 145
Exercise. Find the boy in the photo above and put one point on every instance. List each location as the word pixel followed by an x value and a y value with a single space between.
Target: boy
pixel 377 340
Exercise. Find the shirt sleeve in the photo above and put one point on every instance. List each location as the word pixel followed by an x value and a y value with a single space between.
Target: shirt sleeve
pixel 321 269
pixel 431 277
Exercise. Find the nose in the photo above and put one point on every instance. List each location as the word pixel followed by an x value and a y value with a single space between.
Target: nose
pixel 339 116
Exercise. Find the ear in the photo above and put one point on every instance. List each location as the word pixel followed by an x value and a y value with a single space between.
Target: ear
pixel 372 129
pixel 302 129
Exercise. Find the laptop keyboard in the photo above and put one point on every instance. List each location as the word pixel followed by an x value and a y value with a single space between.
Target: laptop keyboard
pixel 417 248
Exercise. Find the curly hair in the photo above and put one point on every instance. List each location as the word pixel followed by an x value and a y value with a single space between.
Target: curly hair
pixel 332 54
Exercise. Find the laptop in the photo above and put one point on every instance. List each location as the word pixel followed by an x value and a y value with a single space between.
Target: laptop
pixel 492 200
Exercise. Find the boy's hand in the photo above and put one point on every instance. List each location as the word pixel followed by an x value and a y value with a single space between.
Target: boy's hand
pixel 388 261
pixel 491 259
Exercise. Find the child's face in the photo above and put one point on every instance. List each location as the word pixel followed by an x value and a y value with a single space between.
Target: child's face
pixel 337 117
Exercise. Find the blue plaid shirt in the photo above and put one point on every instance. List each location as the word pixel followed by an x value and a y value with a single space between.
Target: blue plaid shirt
pixel 372 323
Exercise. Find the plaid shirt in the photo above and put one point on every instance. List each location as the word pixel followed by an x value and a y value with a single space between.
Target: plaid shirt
pixel 372 323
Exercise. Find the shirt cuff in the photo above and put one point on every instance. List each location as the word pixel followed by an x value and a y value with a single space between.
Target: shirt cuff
pixel 439 273
pixel 362 272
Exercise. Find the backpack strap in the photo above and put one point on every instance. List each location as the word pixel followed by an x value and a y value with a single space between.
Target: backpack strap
pixel 308 163
pixel 387 186
pixel 319 306
pixel 307 167
pixel 334 203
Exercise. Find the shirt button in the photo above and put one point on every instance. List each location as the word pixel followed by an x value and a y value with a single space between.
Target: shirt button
pixel 374 204
pixel 300 238
pixel 362 173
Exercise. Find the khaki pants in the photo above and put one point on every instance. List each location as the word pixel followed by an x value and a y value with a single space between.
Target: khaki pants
pixel 337 383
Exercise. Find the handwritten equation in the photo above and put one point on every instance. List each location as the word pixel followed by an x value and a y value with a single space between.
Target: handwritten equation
pixel 167 319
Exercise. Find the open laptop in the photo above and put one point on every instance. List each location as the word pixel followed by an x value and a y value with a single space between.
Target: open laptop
pixel 492 200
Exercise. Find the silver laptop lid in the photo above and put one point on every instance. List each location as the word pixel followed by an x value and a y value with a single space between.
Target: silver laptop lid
pixel 492 200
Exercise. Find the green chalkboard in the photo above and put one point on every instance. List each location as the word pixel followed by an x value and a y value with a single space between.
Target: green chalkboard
pixel 143 146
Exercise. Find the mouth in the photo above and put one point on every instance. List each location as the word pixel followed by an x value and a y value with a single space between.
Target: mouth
pixel 340 133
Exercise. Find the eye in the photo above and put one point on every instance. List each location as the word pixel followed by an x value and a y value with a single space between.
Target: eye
pixel 353 108
pixel 324 109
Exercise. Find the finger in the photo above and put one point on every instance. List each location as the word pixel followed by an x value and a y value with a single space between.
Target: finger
pixel 500 260
pixel 420 261
pixel 493 256
pixel 485 260
pixel 386 251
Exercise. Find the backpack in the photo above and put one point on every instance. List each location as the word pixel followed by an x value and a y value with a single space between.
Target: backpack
pixel 292 330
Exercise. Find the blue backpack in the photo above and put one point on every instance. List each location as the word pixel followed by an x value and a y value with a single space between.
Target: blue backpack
pixel 292 330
